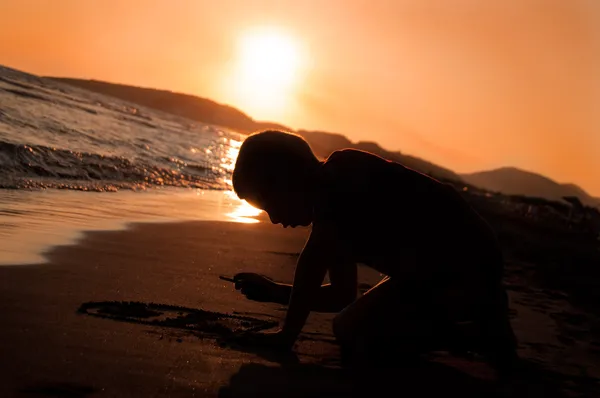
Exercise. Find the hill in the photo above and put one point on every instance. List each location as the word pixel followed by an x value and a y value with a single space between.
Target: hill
pixel 323 143
pixel 513 181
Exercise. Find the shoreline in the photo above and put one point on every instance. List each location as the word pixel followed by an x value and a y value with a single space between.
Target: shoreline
pixel 33 222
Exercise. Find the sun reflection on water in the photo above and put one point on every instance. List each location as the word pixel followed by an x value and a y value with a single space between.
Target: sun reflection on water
pixel 243 211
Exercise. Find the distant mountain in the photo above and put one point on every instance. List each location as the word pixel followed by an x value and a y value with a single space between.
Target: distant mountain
pixel 324 143
pixel 513 181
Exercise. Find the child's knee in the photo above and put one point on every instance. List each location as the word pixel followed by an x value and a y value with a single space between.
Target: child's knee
pixel 342 330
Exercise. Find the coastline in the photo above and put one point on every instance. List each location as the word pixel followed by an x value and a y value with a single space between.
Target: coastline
pixel 33 222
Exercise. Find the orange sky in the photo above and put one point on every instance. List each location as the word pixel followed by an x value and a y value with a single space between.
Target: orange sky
pixel 467 84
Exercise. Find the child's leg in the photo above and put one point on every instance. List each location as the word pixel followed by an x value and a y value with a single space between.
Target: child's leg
pixel 499 343
pixel 403 320
pixel 479 295
pixel 390 318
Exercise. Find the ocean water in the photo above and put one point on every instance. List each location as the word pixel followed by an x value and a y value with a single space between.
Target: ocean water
pixel 72 160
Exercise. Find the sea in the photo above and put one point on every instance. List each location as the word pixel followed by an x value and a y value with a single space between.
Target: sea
pixel 73 161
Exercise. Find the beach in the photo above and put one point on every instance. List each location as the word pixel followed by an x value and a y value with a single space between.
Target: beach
pixel 67 330
pixel 49 346
pixel 117 220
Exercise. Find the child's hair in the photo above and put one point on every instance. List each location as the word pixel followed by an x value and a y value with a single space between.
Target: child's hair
pixel 271 159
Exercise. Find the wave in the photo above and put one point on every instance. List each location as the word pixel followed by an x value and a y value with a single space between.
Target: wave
pixel 36 166
pixel 54 135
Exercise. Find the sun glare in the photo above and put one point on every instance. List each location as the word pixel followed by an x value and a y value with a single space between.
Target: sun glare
pixel 267 71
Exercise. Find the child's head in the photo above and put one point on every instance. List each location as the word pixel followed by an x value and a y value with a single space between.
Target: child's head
pixel 275 171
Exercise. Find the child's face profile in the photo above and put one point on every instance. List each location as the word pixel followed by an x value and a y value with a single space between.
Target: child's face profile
pixel 285 208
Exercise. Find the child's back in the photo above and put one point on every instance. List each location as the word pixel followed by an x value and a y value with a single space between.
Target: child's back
pixel 382 207
pixel 383 210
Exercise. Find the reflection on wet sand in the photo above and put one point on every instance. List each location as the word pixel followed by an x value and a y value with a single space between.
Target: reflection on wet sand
pixel 33 221
pixel 243 211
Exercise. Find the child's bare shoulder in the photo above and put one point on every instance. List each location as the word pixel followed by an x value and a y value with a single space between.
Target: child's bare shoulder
pixel 352 157
pixel 346 181
pixel 349 165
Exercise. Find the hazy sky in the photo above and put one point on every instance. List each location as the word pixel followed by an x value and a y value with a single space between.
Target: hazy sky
pixel 470 85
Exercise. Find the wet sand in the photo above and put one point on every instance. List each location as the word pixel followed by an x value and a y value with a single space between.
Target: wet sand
pixel 142 313
pixel 33 221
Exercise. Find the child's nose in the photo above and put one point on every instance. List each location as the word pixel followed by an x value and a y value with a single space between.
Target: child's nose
pixel 273 219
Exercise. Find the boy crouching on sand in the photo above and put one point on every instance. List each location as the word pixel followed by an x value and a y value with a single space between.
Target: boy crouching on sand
pixel 443 289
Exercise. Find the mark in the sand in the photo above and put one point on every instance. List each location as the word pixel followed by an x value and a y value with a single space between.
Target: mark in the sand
pixel 316 336
pixel 199 322
pixel 285 253
pixel 252 313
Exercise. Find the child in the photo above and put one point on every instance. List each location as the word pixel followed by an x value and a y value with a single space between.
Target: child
pixel 443 288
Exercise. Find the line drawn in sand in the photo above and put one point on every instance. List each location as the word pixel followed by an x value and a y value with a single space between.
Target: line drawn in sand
pixel 202 323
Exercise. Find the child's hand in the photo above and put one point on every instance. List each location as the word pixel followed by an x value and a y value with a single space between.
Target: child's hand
pixel 257 287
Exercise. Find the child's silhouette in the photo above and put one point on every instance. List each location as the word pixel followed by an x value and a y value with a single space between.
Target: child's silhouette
pixel 443 288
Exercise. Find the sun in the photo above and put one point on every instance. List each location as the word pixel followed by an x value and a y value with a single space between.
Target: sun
pixel 267 71
pixel 270 59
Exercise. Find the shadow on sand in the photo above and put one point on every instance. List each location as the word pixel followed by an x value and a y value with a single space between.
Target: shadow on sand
pixel 290 377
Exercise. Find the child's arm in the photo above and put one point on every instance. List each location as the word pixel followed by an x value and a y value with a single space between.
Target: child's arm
pixel 323 250
pixel 330 297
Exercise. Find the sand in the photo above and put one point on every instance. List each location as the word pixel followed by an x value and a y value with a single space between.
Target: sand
pixel 142 312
